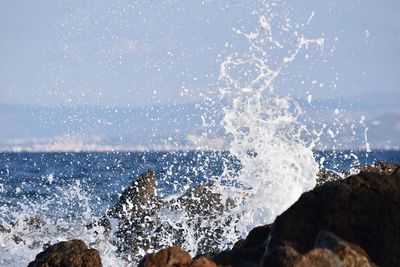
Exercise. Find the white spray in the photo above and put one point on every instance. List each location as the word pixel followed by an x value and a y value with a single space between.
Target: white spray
pixel 266 135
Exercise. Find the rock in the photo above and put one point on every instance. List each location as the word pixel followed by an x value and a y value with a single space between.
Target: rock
pixel 202 201
pixel 17 239
pixel 4 229
pixel 281 256
pixel 135 211
pixel 200 204
pixel 225 258
pixel 137 198
pixel 350 254
pixel 381 167
pixel 34 222
pixel 330 251
pixel 320 258
pixel 19 228
pixel 169 257
pixel 362 209
pixel 72 253
pixel 257 237
pixel 247 252
pixel 324 176
pixel 203 261
pixel 138 214
pixel 241 257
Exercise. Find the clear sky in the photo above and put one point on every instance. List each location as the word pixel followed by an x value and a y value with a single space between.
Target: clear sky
pixel 134 53
pixel 86 54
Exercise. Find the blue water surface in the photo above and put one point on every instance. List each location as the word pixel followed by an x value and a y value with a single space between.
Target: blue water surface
pixel 42 180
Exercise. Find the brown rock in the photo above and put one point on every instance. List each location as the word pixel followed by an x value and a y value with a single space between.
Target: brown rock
pixel 320 257
pixel 383 168
pixel 350 254
pixel 363 209
pixel 169 257
pixel 73 253
pixel 203 261
pixel 287 256
pixel 282 256
pixel 324 176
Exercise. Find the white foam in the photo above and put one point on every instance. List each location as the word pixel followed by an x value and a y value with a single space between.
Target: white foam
pixel 51 230
pixel 266 135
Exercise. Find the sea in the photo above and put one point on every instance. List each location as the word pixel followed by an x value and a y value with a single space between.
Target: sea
pixel 35 178
pixel 66 191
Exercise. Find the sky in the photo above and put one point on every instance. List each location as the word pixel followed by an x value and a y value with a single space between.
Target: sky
pixel 133 54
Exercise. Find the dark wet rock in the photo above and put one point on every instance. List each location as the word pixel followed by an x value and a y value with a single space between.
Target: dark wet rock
pixel 225 258
pixel 257 237
pixel 281 256
pixel 203 261
pixel 246 252
pixel 202 201
pixel 383 168
pixel 199 205
pixel 320 258
pixel 17 229
pixel 135 211
pixel 4 229
pixel 35 222
pixel 137 198
pixel 380 167
pixel 329 251
pixel 238 257
pixel 362 209
pixel 168 257
pixel 104 222
pixel 350 254
pixel 72 253
pixel 18 239
pixel 139 210
pixel 324 176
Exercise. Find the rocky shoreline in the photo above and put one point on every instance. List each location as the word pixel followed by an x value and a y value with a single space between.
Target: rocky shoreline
pixel 342 222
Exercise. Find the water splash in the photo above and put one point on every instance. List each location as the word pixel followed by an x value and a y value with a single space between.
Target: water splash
pixel 33 226
pixel 267 137
pixel 266 133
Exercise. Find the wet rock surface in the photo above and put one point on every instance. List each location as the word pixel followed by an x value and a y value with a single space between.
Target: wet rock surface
pixel 361 209
pixel 381 167
pixel 330 250
pixel 203 261
pixel 138 213
pixel 73 253
pixel 137 198
pixel 134 211
pixel 169 257
pixel 202 200
pixel 350 254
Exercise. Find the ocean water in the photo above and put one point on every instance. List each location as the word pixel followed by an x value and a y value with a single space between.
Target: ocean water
pixel 28 178
pixel 67 191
